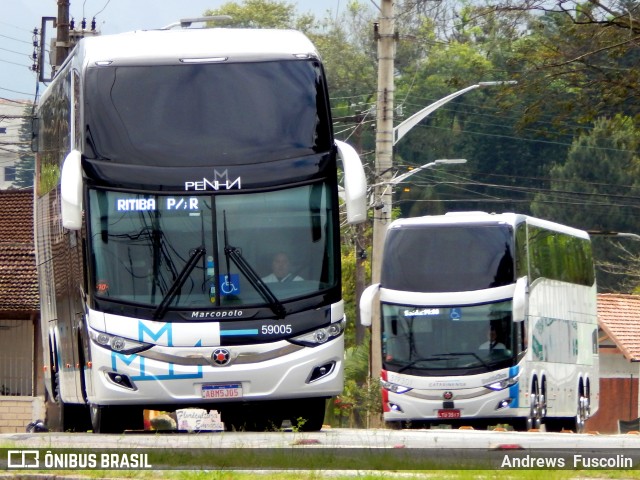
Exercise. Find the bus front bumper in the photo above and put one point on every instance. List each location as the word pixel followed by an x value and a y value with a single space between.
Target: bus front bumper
pixel 201 375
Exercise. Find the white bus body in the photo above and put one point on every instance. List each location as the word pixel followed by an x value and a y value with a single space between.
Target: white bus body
pixel 447 281
pixel 172 166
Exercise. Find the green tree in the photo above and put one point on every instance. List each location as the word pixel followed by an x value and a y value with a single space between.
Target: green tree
pixel 264 14
pixel 593 188
pixel 579 57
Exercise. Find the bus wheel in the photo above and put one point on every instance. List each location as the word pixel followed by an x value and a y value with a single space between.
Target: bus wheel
pixel 61 416
pixel 99 422
pixel 584 406
pixel 537 408
pixel 396 425
pixel 308 414
pixel 115 419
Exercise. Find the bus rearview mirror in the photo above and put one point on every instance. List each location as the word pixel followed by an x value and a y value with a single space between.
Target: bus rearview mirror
pixel 71 191
pixel 366 304
pixel 519 299
pixel 355 183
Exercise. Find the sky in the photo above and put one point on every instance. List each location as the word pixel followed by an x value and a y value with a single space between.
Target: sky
pixel 20 17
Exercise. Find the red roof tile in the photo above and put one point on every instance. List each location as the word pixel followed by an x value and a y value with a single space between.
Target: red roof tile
pixel 18 277
pixel 619 318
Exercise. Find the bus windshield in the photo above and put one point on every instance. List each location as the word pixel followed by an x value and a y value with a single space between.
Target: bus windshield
pixel 446 340
pixel 186 115
pixel 198 252
pixel 448 258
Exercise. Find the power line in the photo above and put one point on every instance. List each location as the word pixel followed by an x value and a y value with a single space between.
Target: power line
pixel 15 63
pixel 13 51
pixel 16 27
pixel 15 39
pixel 510 119
pixel 524 139
pixel 13 91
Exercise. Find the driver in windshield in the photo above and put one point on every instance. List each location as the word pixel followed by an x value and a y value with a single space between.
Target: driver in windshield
pixel 493 343
pixel 280 270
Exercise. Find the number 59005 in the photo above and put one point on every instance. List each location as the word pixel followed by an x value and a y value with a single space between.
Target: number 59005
pixel 276 329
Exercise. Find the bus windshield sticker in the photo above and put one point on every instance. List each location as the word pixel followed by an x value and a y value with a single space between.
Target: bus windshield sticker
pixel 229 284
pixel 190 204
pixel 424 312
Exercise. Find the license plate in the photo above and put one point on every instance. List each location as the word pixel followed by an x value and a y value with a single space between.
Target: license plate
pixel 232 390
pixel 449 413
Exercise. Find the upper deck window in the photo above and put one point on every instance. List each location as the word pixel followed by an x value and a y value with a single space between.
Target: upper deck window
pixel 448 258
pixel 198 114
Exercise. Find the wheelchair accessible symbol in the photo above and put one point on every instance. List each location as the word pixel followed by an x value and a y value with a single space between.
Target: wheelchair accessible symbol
pixel 229 284
pixel 455 314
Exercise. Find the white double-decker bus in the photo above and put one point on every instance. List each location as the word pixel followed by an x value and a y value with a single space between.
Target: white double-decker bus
pixel 487 319
pixel 174 167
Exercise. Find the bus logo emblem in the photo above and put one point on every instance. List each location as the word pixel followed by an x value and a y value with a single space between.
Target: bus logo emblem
pixel 447 395
pixel 221 356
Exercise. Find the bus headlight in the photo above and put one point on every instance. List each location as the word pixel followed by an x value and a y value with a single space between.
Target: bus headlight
pixel 118 344
pixel 394 387
pixel 502 384
pixel 321 335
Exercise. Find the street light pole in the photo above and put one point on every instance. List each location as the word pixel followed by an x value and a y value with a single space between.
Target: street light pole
pixel 443 161
pixel 401 178
pixel 401 130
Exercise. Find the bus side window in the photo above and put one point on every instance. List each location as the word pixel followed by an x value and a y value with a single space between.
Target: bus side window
pixel 520 339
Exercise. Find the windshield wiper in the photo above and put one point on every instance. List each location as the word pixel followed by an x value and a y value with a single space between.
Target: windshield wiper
pixel 433 358
pixel 93 146
pixel 441 357
pixel 459 354
pixel 235 254
pixel 161 309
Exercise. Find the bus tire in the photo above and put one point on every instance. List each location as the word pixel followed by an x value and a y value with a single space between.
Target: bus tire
pixel 584 407
pixel 115 419
pixel 256 417
pixel 61 416
pixel 308 414
pixel 555 424
pixel 65 417
pixel 537 407
pixel 396 425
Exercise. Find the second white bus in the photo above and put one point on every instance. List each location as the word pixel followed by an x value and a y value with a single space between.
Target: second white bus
pixel 487 319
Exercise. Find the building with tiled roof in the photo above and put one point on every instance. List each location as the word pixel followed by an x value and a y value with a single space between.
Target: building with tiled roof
pixel 619 342
pixel 19 312
pixel 619 317
pixel 18 279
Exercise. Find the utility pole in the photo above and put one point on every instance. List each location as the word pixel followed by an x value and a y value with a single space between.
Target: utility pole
pixel 359 240
pixel 62 33
pixel 386 37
